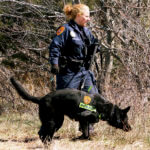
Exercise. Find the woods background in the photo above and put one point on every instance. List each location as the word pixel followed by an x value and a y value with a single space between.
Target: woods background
pixel 122 27
pixel 123 74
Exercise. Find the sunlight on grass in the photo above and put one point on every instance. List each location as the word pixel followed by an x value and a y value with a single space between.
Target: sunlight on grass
pixel 20 132
pixel 18 126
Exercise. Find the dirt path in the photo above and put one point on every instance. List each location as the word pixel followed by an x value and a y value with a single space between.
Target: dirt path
pixel 66 144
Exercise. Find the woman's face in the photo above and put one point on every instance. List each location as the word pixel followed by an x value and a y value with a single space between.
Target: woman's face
pixel 83 19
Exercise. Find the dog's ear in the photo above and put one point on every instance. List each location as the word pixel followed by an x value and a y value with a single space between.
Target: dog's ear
pixel 126 109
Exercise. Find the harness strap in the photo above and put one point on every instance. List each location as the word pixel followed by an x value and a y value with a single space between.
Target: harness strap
pixel 88 107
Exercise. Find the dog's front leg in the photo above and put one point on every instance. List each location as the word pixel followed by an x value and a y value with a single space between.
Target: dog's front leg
pixel 85 130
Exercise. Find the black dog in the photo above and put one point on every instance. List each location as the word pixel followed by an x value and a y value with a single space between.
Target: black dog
pixel 77 105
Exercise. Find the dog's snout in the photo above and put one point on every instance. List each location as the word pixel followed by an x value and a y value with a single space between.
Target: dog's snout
pixel 127 128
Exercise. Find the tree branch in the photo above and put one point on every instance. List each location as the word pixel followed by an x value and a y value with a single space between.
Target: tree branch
pixel 24 3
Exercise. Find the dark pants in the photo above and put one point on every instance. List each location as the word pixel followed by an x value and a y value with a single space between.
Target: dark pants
pixel 73 80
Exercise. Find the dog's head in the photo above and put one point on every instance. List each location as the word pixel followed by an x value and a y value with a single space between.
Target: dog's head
pixel 119 118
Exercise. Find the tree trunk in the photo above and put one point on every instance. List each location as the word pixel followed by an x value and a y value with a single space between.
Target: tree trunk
pixel 108 58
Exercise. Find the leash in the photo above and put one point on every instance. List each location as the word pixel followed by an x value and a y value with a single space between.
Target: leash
pixel 89 68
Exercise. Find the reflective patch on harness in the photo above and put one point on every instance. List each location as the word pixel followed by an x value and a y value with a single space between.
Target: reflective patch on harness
pixel 60 30
pixel 87 99
pixel 88 107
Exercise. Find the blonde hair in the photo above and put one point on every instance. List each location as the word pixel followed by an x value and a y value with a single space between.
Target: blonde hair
pixel 71 11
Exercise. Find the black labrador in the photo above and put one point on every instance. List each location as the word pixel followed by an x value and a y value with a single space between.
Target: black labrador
pixel 77 105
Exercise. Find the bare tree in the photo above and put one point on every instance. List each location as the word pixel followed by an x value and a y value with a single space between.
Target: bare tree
pixel 26 29
pixel 125 45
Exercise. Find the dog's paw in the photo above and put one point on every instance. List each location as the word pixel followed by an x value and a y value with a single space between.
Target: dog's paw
pixel 82 137
pixel 56 137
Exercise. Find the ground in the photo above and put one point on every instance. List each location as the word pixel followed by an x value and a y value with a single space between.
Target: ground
pixel 19 132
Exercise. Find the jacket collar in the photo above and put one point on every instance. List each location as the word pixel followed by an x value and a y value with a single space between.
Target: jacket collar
pixel 76 26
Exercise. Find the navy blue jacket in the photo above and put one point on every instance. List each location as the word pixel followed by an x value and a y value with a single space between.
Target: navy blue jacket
pixel 70 42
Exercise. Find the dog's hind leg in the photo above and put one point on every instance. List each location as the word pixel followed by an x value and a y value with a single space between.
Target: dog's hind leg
pixel 46 131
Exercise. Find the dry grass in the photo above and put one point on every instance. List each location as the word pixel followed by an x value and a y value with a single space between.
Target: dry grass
pixel 19 132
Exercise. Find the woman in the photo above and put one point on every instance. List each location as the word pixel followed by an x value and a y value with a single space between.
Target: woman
pixel 71 49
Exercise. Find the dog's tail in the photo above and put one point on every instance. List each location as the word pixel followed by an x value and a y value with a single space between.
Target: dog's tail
pixel 21 91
